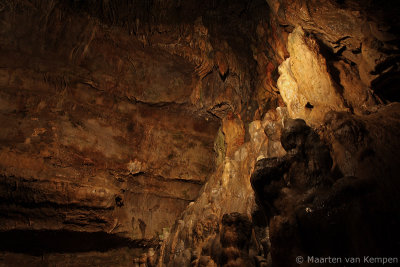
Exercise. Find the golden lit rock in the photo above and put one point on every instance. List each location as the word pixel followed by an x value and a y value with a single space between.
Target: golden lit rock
pixel 305 84
pixel 198 133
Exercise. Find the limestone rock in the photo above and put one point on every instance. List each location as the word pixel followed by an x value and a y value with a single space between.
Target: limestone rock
pixel 305 84
pixel 226 202
pixel 155 133
pixel 311 208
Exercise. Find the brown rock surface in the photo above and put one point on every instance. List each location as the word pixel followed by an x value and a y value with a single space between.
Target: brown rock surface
pixel 109 120
pixel 312 210
pixel 130 131
pixel 96 137
pixel 305 84
pixel 355 42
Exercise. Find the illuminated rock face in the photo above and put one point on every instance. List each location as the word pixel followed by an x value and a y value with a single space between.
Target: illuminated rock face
pixel 108 134
pixel 305 84
pixel 197 236
pixel 339 54
pixel 97 131
pixel 144 132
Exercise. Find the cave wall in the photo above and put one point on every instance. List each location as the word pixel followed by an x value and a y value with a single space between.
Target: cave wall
pixel 110 121
pixel 334 196
pixel 157 124
pixel 332 192
pixel 96 131
pixel 350 46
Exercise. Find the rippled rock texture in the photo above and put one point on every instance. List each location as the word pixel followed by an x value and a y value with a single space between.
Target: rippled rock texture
pixel 95 136
pixel 110 112
pixel 131 130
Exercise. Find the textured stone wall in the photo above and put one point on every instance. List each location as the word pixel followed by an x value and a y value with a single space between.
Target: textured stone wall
pixel 109 121
pixel 165 130
pixel 98 131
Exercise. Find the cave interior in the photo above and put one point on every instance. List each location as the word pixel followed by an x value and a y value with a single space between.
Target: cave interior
pixel 176 133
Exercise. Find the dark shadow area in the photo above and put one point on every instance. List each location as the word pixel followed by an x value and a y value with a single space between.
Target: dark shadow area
pixel 332 57
pixel 36 242
pixel 312 212
pixel 387 86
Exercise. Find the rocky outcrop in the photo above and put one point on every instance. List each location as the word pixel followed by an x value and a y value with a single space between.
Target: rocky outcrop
pixel 139 124
pixel 342 56
pixel 195 237
pixel 306 96
pixel 318 209
pixel 334 188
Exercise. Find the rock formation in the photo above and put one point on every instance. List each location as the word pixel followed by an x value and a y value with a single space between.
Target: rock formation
pixel 198 133
pixel 320 210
